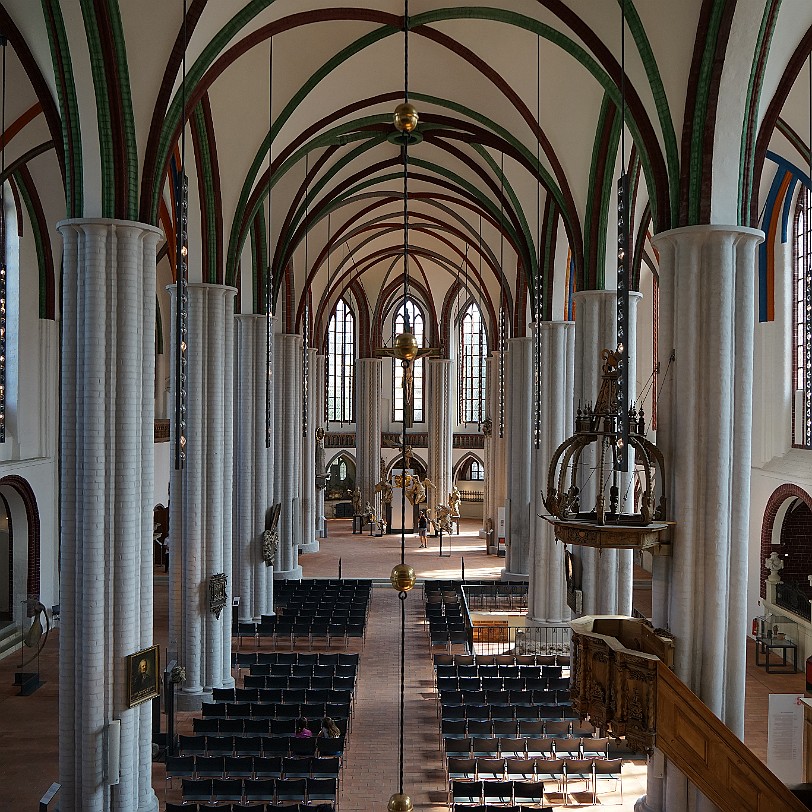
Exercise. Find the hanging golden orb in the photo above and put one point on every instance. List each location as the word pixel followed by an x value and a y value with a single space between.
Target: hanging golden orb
pixel 400 803
pixel 405 347
pixel 405 117
pixel 403 579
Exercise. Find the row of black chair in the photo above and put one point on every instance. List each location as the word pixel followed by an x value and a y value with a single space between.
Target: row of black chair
pixel 302 670
pixel 524 747
pixel 564 772
pixel 504 769
pixel 292 695
pixel 497 670
pixel 275 790
pixel 245 659
pixel 508 713
pixel 251 767
pixel 541 728
pixel 502 659
pixel 200 744
pixel 491 808
pixel 214 726
pixel 293 631
pixel 276 710
pixel 258 807
pixel 341 684
pixel 503 683
pixel 504 696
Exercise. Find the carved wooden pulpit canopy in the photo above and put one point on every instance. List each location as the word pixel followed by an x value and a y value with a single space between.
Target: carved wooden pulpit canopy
pixel 625 514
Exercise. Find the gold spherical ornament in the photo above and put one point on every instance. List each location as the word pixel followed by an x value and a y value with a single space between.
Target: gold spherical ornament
pixel 400 803
pixel 403 578
pixel 405 118
pixel 405 347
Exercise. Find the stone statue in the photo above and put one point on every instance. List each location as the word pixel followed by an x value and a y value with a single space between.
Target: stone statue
pixel 774 564
pixel 356 501
pixel 369 513
pixel 454 501
pixel 443 520
pixel 384 487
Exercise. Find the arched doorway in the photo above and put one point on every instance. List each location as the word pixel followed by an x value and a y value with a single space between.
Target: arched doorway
pixel 6 564
pixel 20 565
pixel 784 530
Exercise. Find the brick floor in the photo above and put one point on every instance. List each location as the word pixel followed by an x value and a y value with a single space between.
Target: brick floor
pixel 28 725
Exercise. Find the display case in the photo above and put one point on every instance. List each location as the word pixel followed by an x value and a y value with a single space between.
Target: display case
pixel 777 627
pixel 777 636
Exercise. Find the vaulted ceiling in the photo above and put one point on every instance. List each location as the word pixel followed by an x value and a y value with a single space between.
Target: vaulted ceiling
pixel 513 176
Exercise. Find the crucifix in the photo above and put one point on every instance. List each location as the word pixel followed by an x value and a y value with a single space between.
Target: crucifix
pixel 405 349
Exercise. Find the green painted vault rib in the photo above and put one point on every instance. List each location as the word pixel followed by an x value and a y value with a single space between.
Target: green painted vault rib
pixel 215 47
pixel 797 142
pixel 39 239
pixel 661 102
pixel 754 86
pixel 598 200
pixel 68 106
pixel 103 113
pixel 208 202
pixel 128 124
pixel 348 132
pixel 548 259
pixel 696 160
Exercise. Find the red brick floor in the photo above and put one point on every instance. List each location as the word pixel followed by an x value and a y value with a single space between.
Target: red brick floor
pixel 28 725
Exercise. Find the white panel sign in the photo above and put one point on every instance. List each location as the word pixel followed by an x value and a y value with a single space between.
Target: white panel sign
pixel 785 737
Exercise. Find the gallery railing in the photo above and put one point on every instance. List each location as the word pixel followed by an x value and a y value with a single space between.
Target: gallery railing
pixel 792 598
pixel 496 635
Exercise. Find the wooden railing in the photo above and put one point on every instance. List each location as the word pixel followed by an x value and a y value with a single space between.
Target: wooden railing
pixel 711 756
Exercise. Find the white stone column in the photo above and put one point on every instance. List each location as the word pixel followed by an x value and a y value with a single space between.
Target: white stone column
pixel 310 542
pixel 253 486
pixel 704 430
pixel 288 448
pixel 319 373
pixel 107 412
pixel 440 431
pixel 368 426
pixel 547 598
pixel 607 575
pixel 495 452
pixel 518 412
pixel 200 519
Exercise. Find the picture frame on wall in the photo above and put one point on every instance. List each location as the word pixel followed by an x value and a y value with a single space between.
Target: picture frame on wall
pixel 143 670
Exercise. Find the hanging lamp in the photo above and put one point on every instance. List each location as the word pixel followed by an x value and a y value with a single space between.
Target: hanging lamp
pixel 613 428
pixel 181 272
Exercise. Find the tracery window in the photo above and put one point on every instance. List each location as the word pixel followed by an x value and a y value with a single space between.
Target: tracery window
pixel 802 324
pixel 473 354
pixel 340 363
pixel 476 473
pixel 416 323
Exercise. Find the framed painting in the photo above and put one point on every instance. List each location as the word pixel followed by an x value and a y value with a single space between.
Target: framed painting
pixel 143 669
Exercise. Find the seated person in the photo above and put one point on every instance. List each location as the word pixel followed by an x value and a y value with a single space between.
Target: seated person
pixel 329 729
pixel 302 730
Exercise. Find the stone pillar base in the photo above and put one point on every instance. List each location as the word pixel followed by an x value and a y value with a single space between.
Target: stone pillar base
pixel 185 701
pixel 507 575
pixel 289 575
pixel 313 547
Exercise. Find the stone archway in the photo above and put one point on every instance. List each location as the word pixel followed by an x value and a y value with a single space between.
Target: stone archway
pixel 22 510
pixel 775 513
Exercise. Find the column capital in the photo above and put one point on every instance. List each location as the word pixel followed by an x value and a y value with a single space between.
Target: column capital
pixel 703 233
pixel 88 223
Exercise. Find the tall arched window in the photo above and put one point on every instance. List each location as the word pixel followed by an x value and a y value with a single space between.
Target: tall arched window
pixel 473 355
pixel 802 324
pixel 416 323
pixel 340 363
